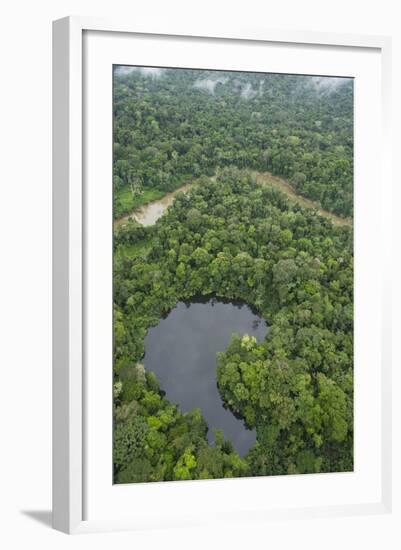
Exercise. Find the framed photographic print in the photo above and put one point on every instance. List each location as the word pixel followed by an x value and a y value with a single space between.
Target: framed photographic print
pixel 220 324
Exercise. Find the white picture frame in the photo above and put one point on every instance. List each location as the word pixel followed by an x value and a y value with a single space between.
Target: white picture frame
pixel 70 257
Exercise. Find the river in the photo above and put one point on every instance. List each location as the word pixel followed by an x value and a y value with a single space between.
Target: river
pixel 181 351
pixel 148 214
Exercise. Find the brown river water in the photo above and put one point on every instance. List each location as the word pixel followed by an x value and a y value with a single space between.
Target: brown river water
pixel 148 214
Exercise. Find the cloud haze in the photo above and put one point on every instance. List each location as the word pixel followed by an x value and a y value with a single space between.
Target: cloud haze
pixel 152 72
pixel 208 84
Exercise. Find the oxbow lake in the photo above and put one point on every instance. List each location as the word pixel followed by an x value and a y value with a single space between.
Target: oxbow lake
pixel 181 351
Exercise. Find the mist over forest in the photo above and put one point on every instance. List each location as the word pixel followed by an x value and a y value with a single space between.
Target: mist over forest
pixel 192 121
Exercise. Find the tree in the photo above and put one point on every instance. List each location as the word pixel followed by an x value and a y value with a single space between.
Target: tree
pixel 185 465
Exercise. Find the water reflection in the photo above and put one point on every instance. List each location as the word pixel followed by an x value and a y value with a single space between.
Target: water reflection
pixel 181 351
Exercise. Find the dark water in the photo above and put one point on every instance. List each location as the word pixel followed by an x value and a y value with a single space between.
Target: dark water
pixel 181 351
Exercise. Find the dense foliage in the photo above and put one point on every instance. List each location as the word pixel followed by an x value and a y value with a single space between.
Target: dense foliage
pixel 235 239
pixel 174 125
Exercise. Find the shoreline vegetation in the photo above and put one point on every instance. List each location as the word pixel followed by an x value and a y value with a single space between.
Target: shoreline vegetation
pixel 159 205
pixel 139 213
